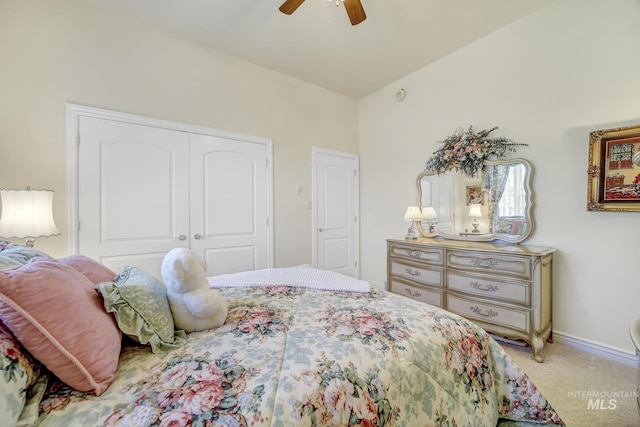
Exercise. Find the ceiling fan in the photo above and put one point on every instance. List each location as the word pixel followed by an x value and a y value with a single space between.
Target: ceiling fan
pixel 354 9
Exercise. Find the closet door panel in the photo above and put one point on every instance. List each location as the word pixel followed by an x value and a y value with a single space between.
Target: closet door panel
pixel 133 188
pixel 229 203
pixel 229 194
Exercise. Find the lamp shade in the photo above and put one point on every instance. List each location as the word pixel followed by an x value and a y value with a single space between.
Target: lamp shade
pixel 475 211
pixel 27 214
pixel 428 212
pixel 412 213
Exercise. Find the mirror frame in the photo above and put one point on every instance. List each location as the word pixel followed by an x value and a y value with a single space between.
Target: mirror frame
pixel 510 238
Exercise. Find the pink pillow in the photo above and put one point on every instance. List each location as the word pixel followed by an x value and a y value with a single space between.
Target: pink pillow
pixel 58 316
pixel 93 270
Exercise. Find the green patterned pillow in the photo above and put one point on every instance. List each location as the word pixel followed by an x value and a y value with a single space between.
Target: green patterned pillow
pixel 8 262
pixel 139 303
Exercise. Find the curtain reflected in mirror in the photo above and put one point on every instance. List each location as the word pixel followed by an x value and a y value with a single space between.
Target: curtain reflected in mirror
pixel 505 202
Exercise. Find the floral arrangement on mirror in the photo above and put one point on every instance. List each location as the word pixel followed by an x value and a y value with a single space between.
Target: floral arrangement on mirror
pixel 467 150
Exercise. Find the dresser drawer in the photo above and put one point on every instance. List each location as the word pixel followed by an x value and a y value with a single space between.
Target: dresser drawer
pixel 486 312
pixel 429 296
pixel 427 255
pixel 417 273
pixel 490 287
pixel 514 266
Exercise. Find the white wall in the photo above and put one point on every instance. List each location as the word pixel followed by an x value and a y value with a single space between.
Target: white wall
pixel 546 80
pixel 52 52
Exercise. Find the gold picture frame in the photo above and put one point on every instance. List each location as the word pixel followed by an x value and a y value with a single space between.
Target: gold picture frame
pixel 474 195
pixel 614 170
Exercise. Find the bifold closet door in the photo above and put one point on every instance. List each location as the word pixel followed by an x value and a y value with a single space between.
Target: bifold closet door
pixel 229 203
pixel 143 190
pixel 133 203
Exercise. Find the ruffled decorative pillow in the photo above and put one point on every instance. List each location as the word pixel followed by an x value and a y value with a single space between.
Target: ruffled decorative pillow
pixel 19 253
pixel 8 262
pixel 141 308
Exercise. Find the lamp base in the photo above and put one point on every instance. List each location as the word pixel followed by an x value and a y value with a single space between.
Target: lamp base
pixel 411 232
pixel 475 227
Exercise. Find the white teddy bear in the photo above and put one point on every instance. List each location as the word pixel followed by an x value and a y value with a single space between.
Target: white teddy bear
pixel 194 305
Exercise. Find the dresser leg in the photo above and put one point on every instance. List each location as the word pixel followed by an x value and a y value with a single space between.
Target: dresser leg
pixel 536 346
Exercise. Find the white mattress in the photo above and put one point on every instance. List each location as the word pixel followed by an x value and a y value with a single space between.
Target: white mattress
pixel 303 277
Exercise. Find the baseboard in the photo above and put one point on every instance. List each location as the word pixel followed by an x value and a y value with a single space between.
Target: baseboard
pixel 596 349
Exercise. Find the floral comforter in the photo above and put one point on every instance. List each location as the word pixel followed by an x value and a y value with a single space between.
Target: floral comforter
pixel 291 356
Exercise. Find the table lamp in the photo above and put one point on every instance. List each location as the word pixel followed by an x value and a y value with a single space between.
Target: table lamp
pixel 412 214
pixel 27 214
pixel 475 212
pixel 429 213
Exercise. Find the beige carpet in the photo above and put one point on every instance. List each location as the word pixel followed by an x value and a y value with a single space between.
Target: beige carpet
pixel 574 382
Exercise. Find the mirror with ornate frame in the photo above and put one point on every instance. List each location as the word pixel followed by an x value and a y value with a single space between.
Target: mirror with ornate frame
pixel 496 205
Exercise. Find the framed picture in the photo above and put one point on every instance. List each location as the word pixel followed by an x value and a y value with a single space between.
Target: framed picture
pixel 614 170
pixel 474 194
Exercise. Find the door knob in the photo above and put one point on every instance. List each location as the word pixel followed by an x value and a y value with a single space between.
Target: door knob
pixel 182 237
pixel 321 229
pixel 197 236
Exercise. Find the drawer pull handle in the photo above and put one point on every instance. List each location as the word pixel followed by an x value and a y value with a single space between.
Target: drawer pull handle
pixel 414 254
pixel 482 263
pixel 415 273
pixel 486 288
pixel 486 313
pixel 413 293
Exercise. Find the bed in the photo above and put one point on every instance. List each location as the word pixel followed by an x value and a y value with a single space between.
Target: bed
pixel 305 353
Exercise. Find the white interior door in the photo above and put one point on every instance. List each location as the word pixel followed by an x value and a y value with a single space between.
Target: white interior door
pixel 229 204
pixel 336 216
pixel 133 206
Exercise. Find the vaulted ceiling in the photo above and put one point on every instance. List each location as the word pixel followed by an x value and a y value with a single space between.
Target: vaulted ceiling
pixel 318 44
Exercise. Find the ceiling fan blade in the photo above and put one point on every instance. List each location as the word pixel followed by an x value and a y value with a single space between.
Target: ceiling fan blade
pixel 355 11
pixel 290 6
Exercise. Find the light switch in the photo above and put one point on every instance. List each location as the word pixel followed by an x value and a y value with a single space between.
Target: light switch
pixel 298 189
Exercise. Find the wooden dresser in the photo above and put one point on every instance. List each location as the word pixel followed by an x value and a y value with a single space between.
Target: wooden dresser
pixel 505 289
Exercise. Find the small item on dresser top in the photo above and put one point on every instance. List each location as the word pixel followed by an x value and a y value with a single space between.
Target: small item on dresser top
pixel 429 214
pixel 195 307
pixel 475 212
pixel 412 214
